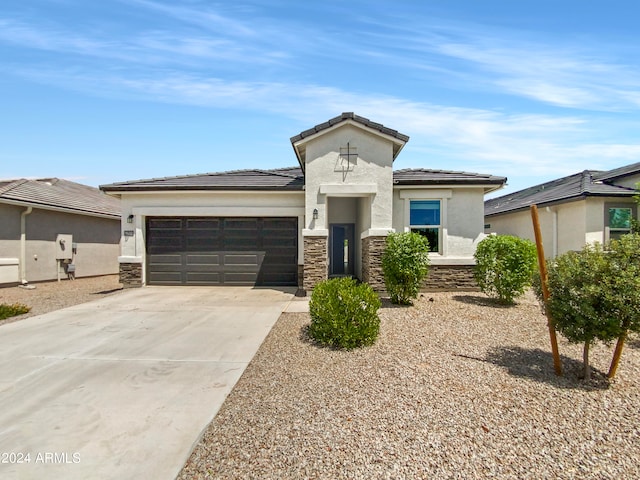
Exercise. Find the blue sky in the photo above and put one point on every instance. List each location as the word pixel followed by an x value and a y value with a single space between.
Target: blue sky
pixel 114 90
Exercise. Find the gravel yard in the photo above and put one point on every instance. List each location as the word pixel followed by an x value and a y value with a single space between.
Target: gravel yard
pixel 457 387
pixel 50 296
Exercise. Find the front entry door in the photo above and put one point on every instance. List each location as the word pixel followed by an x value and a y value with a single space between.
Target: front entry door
pixel 341 241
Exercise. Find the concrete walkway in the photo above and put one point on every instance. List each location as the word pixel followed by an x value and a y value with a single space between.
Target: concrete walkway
pixel 123 387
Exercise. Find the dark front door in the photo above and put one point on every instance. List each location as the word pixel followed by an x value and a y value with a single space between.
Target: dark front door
pixel 341 241
pixel 222 251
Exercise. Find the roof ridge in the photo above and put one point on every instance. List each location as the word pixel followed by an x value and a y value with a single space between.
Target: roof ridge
pixel 13 184
pixel 439 170
pixel 276 171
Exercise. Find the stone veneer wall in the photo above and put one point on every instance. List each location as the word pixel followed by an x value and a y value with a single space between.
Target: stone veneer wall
pixel 450 277
pixel 315 261
pixel 372 249
pixel 131 275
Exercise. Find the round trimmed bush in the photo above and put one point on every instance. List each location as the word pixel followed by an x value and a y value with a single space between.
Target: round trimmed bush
pixel 504 266
pixel 344 314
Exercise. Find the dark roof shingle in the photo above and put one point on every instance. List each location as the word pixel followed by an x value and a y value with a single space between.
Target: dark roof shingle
pixel 290 179
pixel 583 184
pixel 356 118
pixel 60 194
pixel 287 179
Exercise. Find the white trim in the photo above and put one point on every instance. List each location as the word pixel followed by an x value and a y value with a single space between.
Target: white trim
pixel 130 259
pixel 9 261
pixel 245 211
pixel 353 190
pixel 443 227
pixel 318 232
pixel 376 232
pixel 437 259
pixel 426 194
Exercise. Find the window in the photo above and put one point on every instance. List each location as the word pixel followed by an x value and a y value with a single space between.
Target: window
pixel 619 221
pixel 425 219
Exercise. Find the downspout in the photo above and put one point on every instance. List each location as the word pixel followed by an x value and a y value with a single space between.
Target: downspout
pixel 23 245
pixel 554 235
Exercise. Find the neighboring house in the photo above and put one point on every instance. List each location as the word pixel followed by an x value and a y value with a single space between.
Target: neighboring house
pixel 300 225
pixel 50 226
pixel 591 206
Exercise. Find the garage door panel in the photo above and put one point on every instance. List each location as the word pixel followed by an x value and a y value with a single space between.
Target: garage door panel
pixel 240 278
pixel 166 278
pixel 221 250
pixel 202 259
pixel 203 278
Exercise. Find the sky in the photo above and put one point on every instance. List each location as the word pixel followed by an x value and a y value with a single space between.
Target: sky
pixel 113 90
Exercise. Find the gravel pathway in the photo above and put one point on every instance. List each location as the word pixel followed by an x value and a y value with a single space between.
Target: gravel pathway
pixel 455 387
pixel 50 296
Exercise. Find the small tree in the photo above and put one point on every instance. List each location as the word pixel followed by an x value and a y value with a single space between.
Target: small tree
pixel 581 299
pixel 504 266
pixel 405 264
pixel 624 284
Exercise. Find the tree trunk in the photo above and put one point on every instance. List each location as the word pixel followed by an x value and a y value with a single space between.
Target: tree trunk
pixel 585 361
pixel 617 354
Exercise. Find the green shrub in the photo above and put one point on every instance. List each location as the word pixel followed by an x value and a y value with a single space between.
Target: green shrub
pixel 12 310
pixel 504 266
pixel 405 264
pixel 344 314
pixel 581 298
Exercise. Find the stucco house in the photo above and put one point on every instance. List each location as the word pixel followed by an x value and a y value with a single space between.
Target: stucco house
pixel 586 207
pixel 329 216
pixel 51 227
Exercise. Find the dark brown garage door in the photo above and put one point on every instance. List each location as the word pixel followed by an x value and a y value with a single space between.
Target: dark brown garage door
pixel 222 251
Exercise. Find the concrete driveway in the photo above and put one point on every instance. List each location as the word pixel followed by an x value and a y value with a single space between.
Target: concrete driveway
pixel 123 387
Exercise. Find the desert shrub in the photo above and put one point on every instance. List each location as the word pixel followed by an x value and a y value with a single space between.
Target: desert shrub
pixel 504 266
pixel 405 264
pixel 12 310
pixel 581 298
pixel 344 314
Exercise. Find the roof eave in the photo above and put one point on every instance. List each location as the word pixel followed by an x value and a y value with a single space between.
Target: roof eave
pixel 119 189
pixel 76 211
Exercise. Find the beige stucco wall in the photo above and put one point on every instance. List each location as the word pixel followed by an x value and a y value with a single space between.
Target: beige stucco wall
pixel 97 241
pixel 576 224
pixel 373 168
pixel 462 218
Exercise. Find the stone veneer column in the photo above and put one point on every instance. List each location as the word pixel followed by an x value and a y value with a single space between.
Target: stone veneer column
pixel 131 275
pixel 372 250
pixel 315 261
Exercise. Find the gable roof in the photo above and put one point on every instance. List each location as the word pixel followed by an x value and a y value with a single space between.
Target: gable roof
pixel 59 194
pixel 289 179
pixel 588 183
pixel 298 141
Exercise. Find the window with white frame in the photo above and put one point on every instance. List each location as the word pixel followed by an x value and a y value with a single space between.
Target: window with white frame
pixel 425 218
pixel 618 218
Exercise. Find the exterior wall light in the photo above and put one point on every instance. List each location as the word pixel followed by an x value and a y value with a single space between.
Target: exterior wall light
pixel 315 213
pixel 130 219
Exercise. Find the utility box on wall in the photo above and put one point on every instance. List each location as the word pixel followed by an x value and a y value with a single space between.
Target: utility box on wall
pixel 64 247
